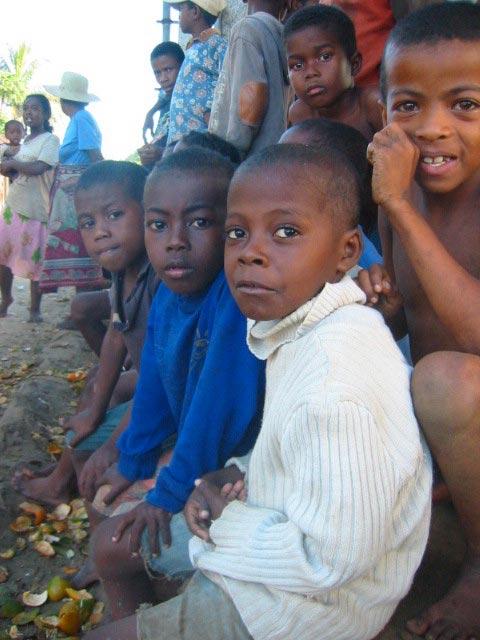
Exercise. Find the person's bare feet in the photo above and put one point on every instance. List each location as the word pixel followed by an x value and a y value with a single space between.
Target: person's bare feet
pixel 457 615
pixel 45 490
pixel 86 575
pixel 4 304
pixel 35 316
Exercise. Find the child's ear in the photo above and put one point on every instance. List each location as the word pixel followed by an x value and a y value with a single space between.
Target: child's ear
pixel 356 63
pixel 351 250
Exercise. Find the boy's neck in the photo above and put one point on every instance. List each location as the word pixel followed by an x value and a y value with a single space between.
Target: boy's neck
pixel 345 104
pixel 273 8
pixel 133 270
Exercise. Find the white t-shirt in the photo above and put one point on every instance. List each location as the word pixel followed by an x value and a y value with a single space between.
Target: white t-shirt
pixel 29 195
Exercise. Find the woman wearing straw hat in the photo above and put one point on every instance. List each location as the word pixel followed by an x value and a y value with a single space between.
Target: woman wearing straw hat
pixel 66 260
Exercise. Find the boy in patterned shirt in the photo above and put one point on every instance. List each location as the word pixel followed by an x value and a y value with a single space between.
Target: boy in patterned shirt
pixel 193 93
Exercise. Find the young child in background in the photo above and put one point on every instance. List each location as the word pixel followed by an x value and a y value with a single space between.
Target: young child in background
pixel 14 133
pixel 322 61
pixel 250 104
pixel 339 484
pixel 193 93
pixel 426 179
pixel 198 382
pixel 166 60
pixel 324 133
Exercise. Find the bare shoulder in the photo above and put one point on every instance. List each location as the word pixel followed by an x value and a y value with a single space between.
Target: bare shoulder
pixel 370 100
pixel 298 112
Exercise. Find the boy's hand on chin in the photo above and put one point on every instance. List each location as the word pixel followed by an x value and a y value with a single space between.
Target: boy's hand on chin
pixel 144 515
pixel 381 292
pixel 394 159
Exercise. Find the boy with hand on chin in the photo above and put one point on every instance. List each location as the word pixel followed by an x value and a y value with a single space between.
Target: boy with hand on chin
pixel 323 61
pixel 338 506
pixel 426 179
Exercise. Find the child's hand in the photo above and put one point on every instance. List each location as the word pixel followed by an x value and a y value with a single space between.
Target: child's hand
pixel 381 292
pixel 149 154
pixel 153 518
pixel 206 503
pixel 92 475
pixel 197 515
pixel 84 424
pixel 394 158
pixel 234 491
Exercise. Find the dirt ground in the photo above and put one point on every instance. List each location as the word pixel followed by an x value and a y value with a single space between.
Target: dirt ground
pixel 34 394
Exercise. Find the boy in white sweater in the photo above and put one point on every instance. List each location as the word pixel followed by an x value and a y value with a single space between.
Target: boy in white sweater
pixel 339 482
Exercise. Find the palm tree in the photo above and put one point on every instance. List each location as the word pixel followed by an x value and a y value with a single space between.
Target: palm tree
pixel 16 71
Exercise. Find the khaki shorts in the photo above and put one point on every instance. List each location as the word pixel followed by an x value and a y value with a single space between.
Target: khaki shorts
pixel 202 612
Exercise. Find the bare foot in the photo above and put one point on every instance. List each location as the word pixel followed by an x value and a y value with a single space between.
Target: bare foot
pixel 24 469
pixel 86 576
pixel 42 490
pixel 457 615
pixel 4 304
pixel 35 316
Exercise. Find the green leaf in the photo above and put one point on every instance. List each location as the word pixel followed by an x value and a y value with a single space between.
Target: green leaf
pixel 25 617
pixel 8 215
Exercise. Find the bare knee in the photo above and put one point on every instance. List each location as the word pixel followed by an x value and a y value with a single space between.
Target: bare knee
pixel 113 559
pixel 446 394
pixel 90 305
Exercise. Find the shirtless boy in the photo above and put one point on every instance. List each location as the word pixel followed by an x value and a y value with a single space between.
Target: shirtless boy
pixel 426 178
pixel 323 61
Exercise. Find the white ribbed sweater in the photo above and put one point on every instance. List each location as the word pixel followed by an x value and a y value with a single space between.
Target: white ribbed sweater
pixel 339 483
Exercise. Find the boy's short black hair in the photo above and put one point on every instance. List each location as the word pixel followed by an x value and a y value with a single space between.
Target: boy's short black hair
pixel 330 19
pixel 129 175
pixel 329 134
pixel 195 160
pixel 168 49
pixel 211 141
pixel 209 18
pixel 10 122
pixel 432 24
pixel 334 175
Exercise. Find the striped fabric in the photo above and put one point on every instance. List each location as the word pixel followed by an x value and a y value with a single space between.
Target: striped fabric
pixel 339 481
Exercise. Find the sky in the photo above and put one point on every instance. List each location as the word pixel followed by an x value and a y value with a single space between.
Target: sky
pixel 107 41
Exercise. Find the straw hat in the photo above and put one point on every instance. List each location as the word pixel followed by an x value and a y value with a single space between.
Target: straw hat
pixel 214 7
pixel 73 87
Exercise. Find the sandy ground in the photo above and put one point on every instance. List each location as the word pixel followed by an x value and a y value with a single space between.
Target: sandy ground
pixel 35 394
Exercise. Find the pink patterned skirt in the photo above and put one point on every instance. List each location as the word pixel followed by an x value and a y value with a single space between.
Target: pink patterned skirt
pixel 22 244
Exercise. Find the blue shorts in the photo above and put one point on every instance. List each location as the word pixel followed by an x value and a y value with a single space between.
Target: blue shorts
pixel 104 430
pixel 173 562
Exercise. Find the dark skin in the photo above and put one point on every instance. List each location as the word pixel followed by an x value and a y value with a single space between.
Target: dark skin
pixel 273 239
pixel 112 228
pixel 323 79
pixel 184 237
pixel 426 178
pixel 34 117
pixel 165 69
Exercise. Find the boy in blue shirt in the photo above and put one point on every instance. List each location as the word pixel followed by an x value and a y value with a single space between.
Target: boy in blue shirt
pixel 198 381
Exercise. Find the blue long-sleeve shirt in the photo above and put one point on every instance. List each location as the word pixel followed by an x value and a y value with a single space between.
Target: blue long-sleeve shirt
pixel 199 380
